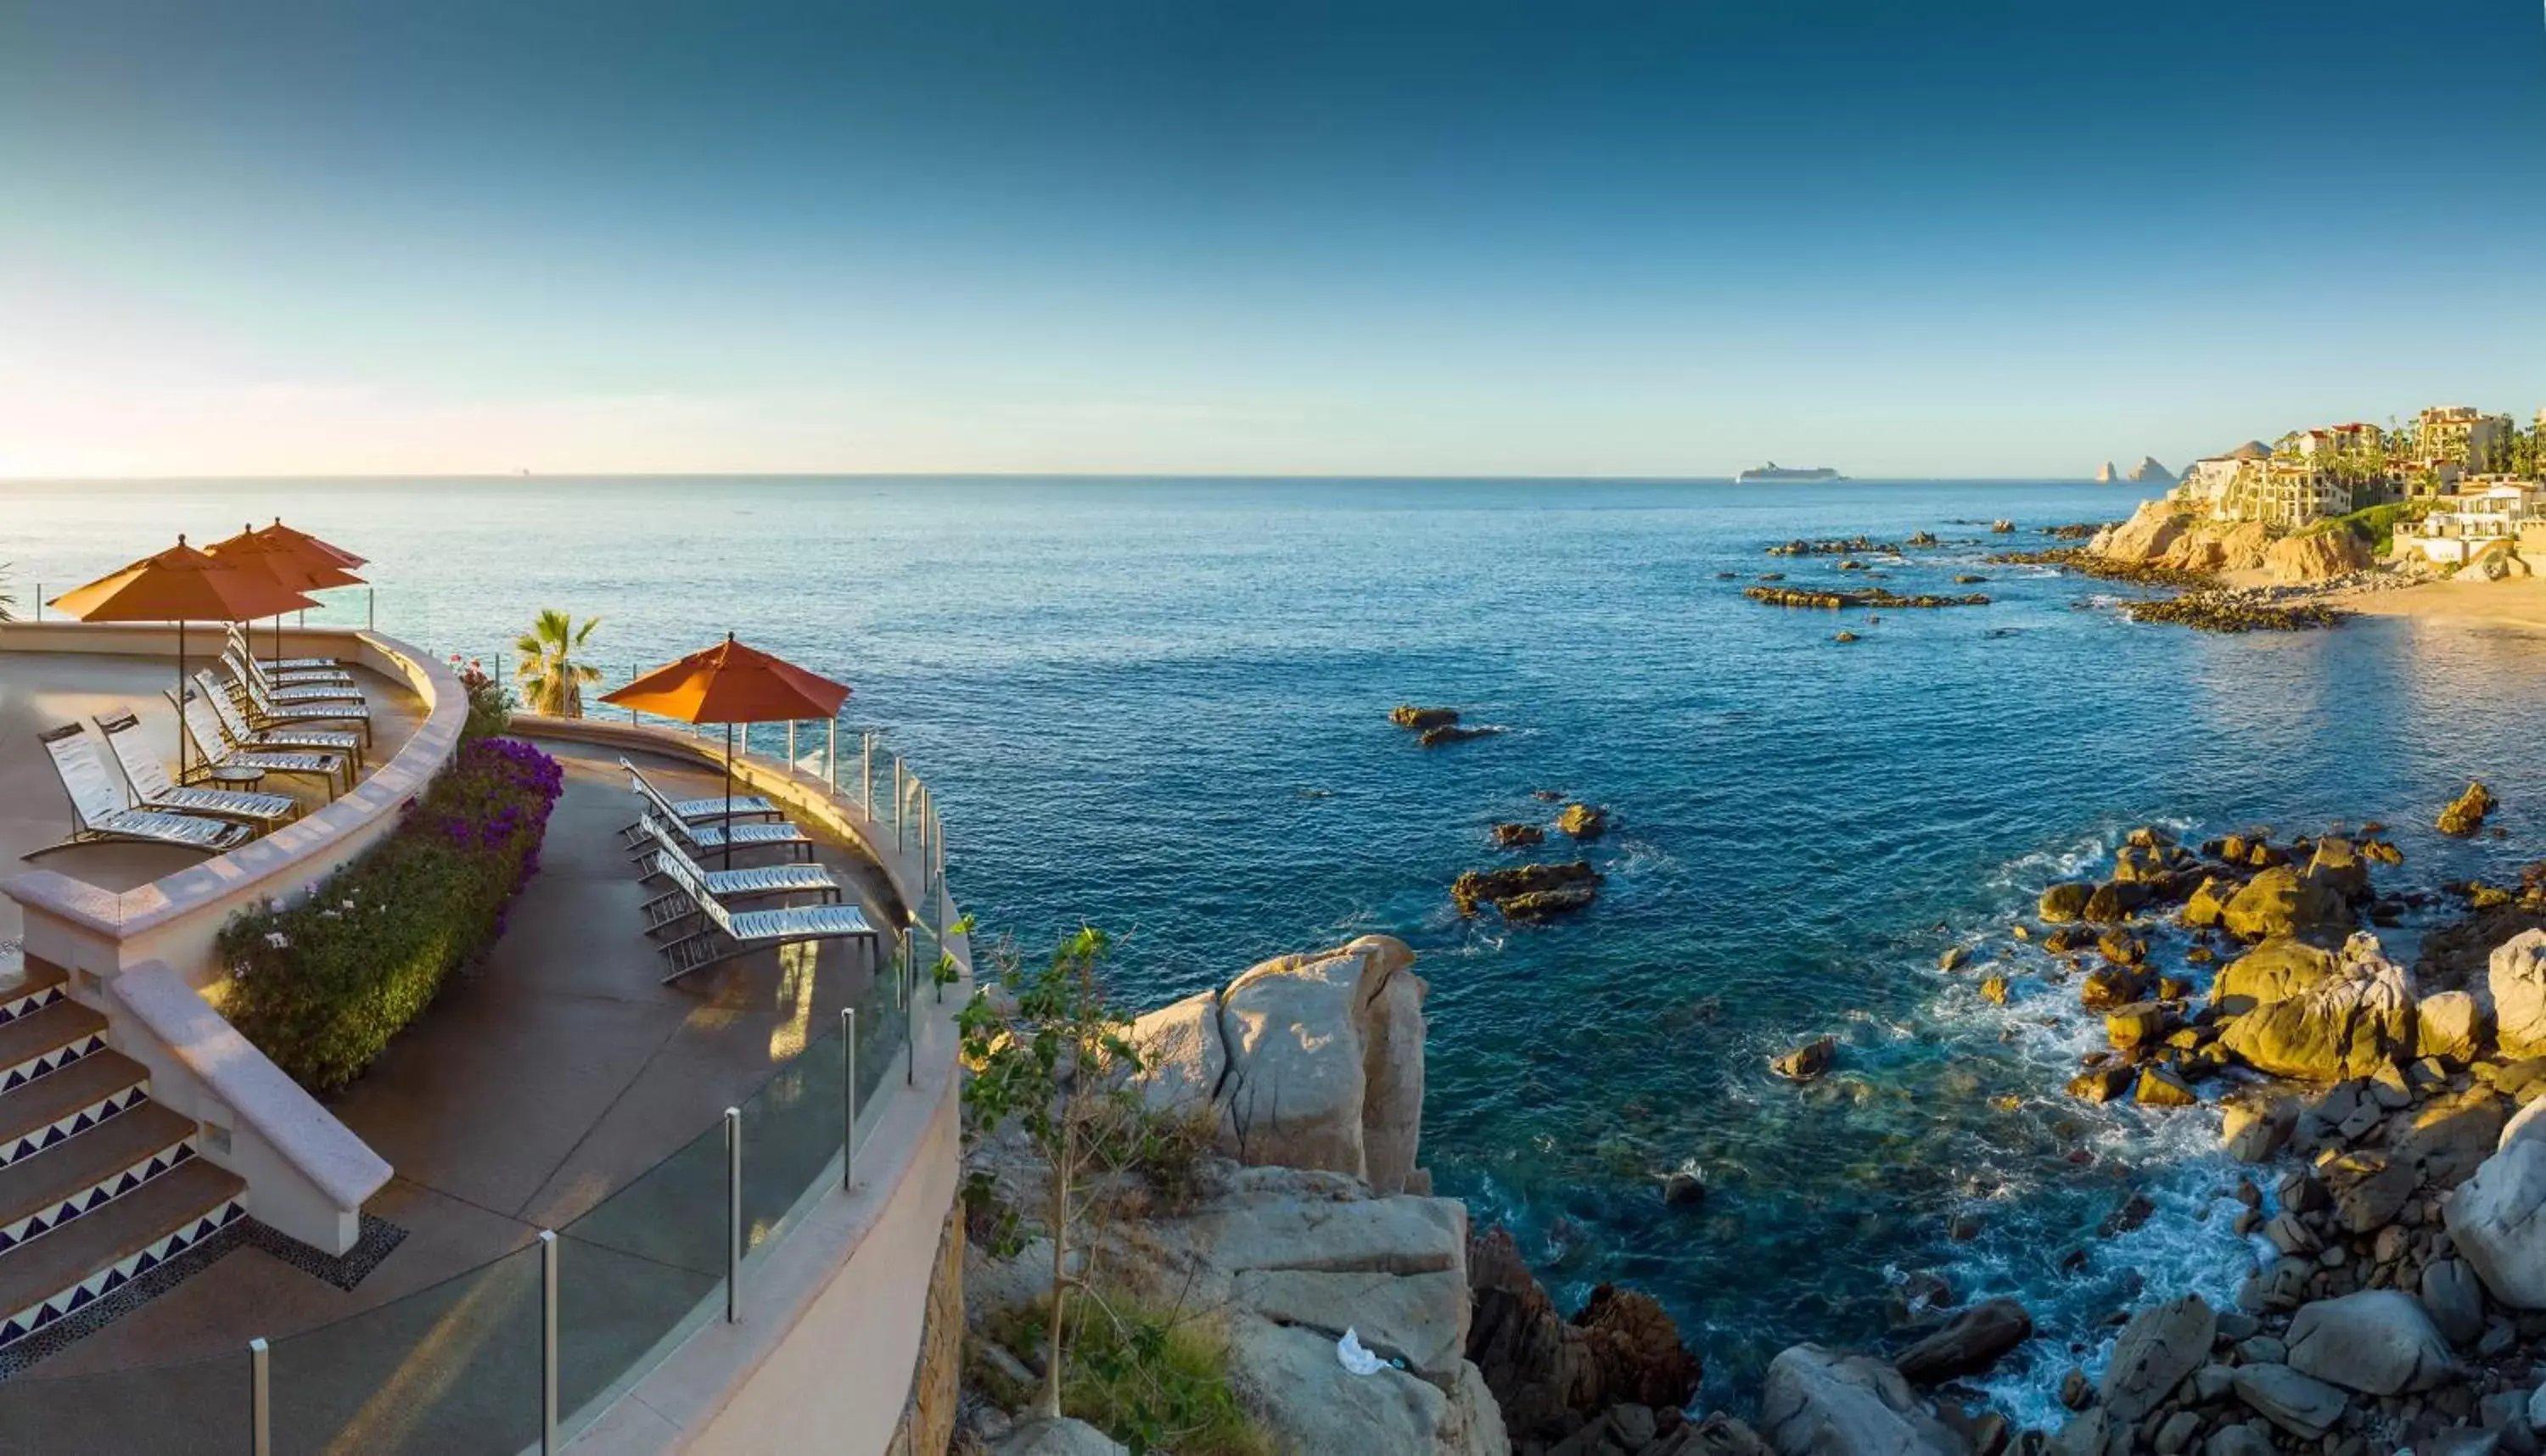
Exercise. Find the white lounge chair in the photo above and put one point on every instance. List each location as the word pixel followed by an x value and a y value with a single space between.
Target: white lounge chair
pixel 102 809
pixel 266 713
pixel 306 692
pixel 720 934
pixel 235 726
pixel 154 788
pixel 675 905
pixel 689 813
pixel 239 640
pixel 315 672
pixel 220 750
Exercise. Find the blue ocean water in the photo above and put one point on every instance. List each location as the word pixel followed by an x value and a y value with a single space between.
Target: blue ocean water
pixel 1160 707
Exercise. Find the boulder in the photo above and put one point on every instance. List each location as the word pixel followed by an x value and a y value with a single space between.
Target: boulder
pixel 2152 531
pixel 2466 813
pixel 2253 1127
pixel 2303 1405
pixel 2111 902
pixel 2378 1341
pixel 2160 1086
pixel 2454 1298
pixel 2516 973
pixel 1527 891
pixel 2208 904
pixel 2529 1124
pixel 1583 822
pixel 2349 1026
pixel 1517 836
pixel 1056 1435
pixel 2448 1136
pixel 1808 1061
pixel 2274 971
pixel 1969 1343
pixel 1289 1378
pixel 2368 1188
pixel 2064 901
pixel 2317 557
pixel 2337 867
pixel 2450 1025
pixel 1824 1402
pixel 1420 1318
pixel 2139 1025
pixel 2282 901
pixel 1551 1376
pixel 2160 1346
pixel 2498 1221
pixel 1307 1061
pixel 2111 987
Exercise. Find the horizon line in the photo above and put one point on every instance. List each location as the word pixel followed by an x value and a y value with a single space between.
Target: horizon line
pixel 575 476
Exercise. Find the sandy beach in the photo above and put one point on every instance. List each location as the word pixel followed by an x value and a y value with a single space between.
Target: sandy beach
pixel 2514 603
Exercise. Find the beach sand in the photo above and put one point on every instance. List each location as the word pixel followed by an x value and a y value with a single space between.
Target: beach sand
pixel 2520 602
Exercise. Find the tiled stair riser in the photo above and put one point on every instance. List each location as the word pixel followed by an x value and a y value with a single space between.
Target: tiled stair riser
pixel 14 1077
pixel 106 1190
pixel 78 1119
pixel 106 1281
pixel 34 1001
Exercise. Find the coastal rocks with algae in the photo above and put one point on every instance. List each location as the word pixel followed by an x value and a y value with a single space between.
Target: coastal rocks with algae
pixel 1317 1220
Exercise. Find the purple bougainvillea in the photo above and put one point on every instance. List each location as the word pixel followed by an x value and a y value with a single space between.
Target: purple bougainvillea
pixel 323 984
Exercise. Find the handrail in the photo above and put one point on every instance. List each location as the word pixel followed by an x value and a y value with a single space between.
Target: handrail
pixel 311 1140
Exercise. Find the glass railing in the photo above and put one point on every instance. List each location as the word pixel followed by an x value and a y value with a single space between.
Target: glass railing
pixel 466 1365
pixel 463 1366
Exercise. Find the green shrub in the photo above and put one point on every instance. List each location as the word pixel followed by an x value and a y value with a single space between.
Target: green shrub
pixel 2375 524
pixel 320 985
pixel 1153 1380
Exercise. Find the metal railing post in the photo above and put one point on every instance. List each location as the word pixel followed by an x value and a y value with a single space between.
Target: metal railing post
pixel 632 713
pixel 866 775
pixel 897 790
pixel 260 1401
pixel 40 601
pixel 849 1129
pixel 732 1215
pixel 831 755
pixel 547 1342
pixel 791 742
pixel 372 608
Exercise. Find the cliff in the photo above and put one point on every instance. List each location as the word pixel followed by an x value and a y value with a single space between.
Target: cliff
pixel 1313 1217
pixel 2106 475
pixel 2162 533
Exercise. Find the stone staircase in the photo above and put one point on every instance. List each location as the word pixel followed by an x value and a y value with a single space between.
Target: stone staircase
pixel 98 1183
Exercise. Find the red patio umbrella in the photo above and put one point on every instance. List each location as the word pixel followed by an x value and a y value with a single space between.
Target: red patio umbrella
pixel 180 585
pixel 730 683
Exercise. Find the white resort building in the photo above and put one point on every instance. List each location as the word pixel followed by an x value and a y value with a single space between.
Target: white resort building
pixel 2483 511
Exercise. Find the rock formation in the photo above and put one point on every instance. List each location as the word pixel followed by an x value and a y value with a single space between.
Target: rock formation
pixel 2106 475
pixel 1551 1376
pixel 2149 473
pixel 1305 1062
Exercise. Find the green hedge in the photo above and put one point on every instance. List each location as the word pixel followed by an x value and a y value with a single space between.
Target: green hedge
pixel 323 984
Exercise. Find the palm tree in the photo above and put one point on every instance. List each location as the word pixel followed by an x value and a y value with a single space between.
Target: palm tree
pixel 551 680
pixel 8 602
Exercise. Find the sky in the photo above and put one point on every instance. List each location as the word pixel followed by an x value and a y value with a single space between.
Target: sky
pixel 1601 237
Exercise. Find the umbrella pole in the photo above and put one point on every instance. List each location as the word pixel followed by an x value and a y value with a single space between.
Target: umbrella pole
pixel 728 795
pixel 181 699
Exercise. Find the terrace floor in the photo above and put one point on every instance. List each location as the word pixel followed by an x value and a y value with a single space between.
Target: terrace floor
pixel 46 690
pixel 535 1085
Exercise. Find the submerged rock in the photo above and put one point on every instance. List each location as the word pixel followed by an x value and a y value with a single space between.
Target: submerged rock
pixel 1437 737
pixel 1517 836
pixel 1417 720
pixel 1527 891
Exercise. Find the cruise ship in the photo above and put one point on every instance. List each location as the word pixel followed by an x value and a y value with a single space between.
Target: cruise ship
pixel 1775 472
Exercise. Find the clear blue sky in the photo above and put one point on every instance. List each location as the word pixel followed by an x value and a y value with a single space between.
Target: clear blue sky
pixel 1998 237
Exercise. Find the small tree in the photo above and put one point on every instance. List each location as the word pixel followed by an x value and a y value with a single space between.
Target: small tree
pixel 1057 1057
pixel 551 680
pixel 8 602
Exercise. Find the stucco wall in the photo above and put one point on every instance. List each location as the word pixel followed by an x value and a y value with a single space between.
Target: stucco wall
pixel 928 1415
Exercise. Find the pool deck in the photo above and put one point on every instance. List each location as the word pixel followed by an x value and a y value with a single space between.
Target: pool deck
pixel 531 1088
pixel 44 690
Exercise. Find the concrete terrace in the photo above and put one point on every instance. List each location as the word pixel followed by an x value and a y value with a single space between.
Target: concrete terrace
pixel 531 1090
pixel 44 690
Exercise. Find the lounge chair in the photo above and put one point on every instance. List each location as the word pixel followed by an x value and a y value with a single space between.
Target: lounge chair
pixel 265 712
pixel 220 750
pixel 725 884
pixel 239 639
pixel 234 726
pixel 153 787
pixel 306 692
pixel 309 670
pixel 720 934
pixel 689 813
pixel 102 809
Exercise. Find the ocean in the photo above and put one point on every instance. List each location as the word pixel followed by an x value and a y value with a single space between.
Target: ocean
pixel 1160 707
